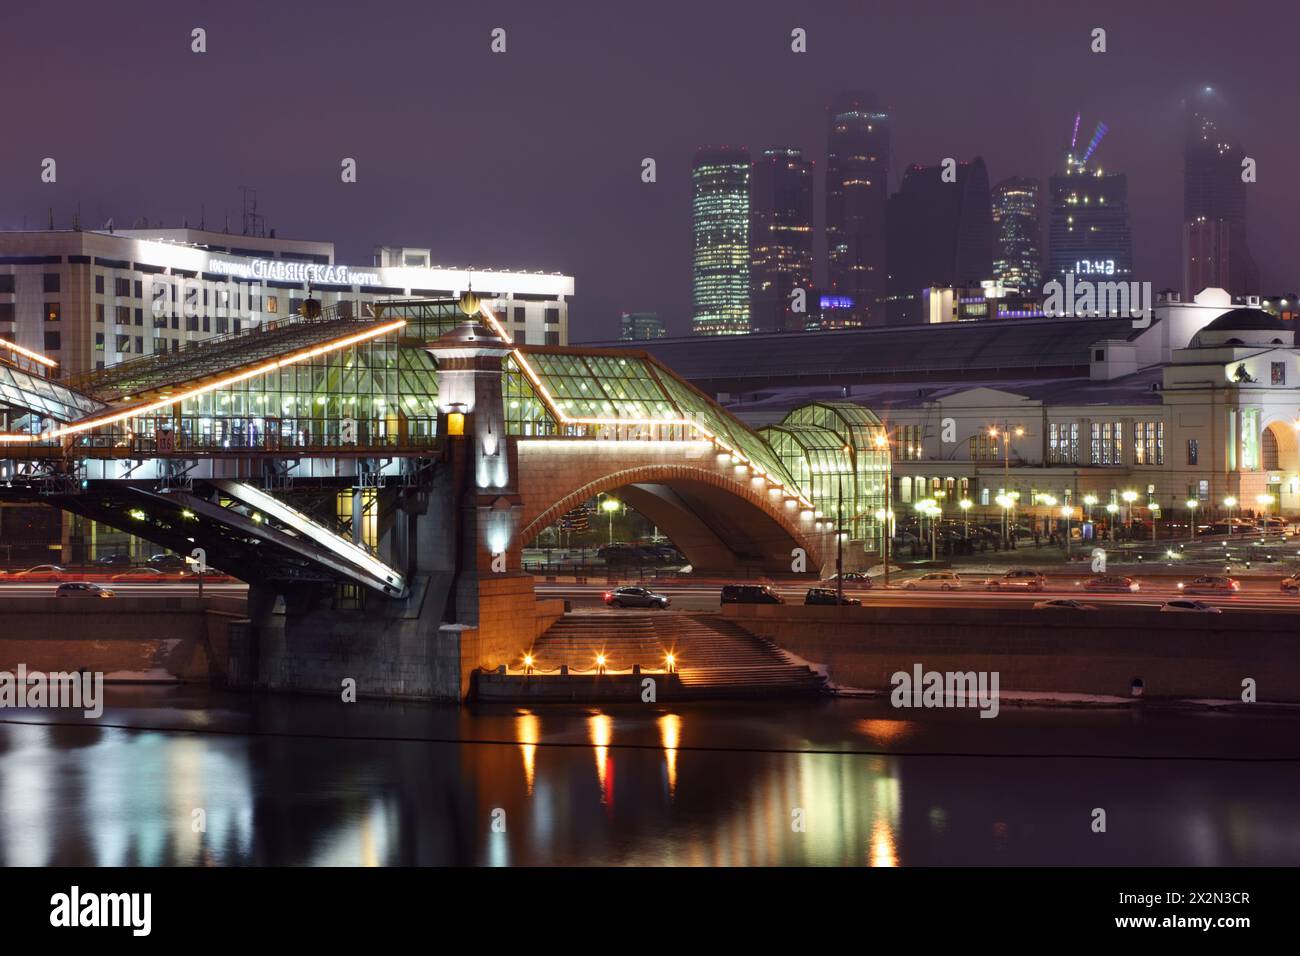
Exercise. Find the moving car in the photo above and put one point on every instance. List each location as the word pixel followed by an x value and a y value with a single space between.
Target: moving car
pixel 750 594
pixel 72 589
pixel 146 575
pixel 1111 582
pixel 167 562
pixel 1211 584
pixel 852 579
pixel 935 581
pixel 1069 604
pixel 1199 607
pixel 114 559
pixel 635 596
pixel 1017 579
pixel 1291 585
pixel 42 572
pixel 828 596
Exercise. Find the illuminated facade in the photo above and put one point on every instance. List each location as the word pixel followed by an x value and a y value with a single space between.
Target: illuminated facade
pixel 781 241
pixel 720 226
pixel 857 191
pixel 93 299
pixel 1017 234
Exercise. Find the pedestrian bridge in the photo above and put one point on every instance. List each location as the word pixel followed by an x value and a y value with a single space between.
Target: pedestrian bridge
pixel 348 421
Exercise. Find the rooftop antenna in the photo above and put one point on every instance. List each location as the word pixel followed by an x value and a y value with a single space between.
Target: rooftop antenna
pixel 51 217
pixel 254 224
pixel 1074 137
pixel 203 216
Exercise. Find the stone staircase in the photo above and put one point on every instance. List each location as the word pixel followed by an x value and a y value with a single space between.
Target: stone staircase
pixel 715 658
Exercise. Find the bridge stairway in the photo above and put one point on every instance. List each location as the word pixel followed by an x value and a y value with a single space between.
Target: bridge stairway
pixel 714 656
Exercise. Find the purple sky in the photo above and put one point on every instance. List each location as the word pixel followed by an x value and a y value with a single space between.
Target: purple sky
pixel 531 159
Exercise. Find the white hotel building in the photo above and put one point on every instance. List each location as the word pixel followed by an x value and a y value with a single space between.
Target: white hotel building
pixel 88 299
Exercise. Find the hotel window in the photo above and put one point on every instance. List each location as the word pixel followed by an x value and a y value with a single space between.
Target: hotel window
pixel 1148 443
pixel 1193 451
pixel 99 342
pixel 6 311
pixel 139 316
pixel 139 345
pixel 1063 443
pixel 139 289
pixel 124 343
pixel 53 311
pixel 99 285
pixel 122 315
pixel 552 338
pixel 122 287
pixel 6 283
pixel 99 312
pixel 51 282
pixel 519 314
pixel 1107 443
pixel 53 341
pixel 1279 373
pixel 552 317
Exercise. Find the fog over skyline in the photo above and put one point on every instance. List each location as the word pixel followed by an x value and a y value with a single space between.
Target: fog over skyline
pixel 531 159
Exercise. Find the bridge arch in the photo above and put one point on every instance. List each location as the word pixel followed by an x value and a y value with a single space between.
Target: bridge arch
pixel 725 522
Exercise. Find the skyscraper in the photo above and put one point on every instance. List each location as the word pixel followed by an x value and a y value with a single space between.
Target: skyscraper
pixel 1088 226
pixel 857 191
pixel 1215 249
pixel 940 234
pixel 780 239
pixel 640 326
pixel 720 226
pixel 1017 234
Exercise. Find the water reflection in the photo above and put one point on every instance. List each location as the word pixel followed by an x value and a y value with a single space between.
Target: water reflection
pixel 770 788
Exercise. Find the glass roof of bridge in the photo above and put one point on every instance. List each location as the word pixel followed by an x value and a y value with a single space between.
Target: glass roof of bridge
pixel 24 392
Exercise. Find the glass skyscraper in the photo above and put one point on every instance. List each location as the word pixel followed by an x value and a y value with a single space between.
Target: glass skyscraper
pixel 1017 234
pixel 857 195
pixel 781 240
pixel 1088 230
pixel 720 226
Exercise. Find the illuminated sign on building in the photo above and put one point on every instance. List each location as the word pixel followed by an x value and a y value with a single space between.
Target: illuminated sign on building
pixel 1101 267
pixel 836 302
pixel 281 270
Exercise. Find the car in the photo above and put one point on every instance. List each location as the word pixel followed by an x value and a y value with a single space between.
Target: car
pixel 1211 584
pixel 636 596
pixel 144 575
pixel 1065 604
pixel 114 559
pixel 852 579
pixel 935 581
pixel 167 562
pixel 1291 585
pixel 42 572
pixel 1199 607
pixel 750 594
pixel 72 589
pixel 1111 582
pixel 1017 579
pixel 829 596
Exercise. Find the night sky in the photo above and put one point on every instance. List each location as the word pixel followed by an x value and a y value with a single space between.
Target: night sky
pixel 531 159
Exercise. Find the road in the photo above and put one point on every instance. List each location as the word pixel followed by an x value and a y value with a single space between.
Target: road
pixel 1254 596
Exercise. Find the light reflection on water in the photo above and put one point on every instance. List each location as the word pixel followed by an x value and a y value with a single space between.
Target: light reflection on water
pixel 590 786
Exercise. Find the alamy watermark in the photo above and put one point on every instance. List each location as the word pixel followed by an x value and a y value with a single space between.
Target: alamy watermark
pixel 1083 297
pixel 922 688
pixel 82 690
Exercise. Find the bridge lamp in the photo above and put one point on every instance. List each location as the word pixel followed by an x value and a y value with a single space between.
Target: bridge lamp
pixel 456 419
pixel 1112 508
pixel 528 663
pixel 600 663
pixel 670 662
pixel 137 514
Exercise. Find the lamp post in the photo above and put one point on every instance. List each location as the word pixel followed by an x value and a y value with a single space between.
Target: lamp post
pixel 965 505
pixel 882 443
pixel 1154 508
pixel 1112 510
pixel 1129 497
pixel 1265 502
pixel 1192 505
pixel 1229 503
pixel 1067 512
pixel 1006 466
pixel 610 505
pixel 1089 501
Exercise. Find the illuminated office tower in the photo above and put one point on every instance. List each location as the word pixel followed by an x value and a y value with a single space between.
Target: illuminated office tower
pixel 1017 234
pixel 720 226
pixel 857 194
pixel 1088 227
pixel 781 240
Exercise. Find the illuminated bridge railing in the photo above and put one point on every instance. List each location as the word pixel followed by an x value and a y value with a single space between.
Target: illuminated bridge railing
pixel 413 436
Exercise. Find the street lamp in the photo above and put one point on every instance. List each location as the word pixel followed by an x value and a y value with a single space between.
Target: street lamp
pixel 1006 433
pixel 1067 512
pixel 882 443
pixel 965 505
pixel 1129 497
pixel 1089 501
pixel 1265 502
pixel 610 505
pixel 1192 505
pixel 1154 508
pixel 1230 503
